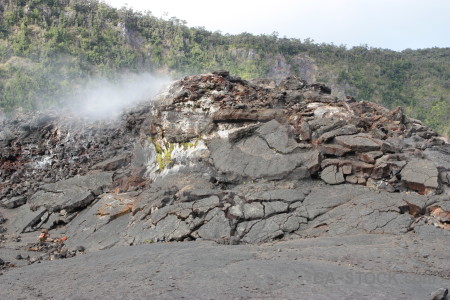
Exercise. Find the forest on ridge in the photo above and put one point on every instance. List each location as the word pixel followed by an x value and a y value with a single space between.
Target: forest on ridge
pixel 52 48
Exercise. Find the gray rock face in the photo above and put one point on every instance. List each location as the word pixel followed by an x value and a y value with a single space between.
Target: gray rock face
pixel 420 175
pixel 101 225
pixel 345 130
pixel 277 137
pixel 365 214
pixel 440 156
pixel 347 267
pixel 325 198
pixel 251 213
pixel 25 219
pixel 268 153
pixel 359 142
pixel 13 202
pixel 217 226
pixel 219 217
pixel 445 177
pixel 72 194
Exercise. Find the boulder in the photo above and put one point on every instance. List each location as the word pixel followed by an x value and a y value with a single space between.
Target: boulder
pixel 332 175
pixel 421 176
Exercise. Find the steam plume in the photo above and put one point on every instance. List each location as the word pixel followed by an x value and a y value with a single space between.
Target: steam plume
pixel 104 99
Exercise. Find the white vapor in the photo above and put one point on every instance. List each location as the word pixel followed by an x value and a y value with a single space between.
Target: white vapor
pixel 105 99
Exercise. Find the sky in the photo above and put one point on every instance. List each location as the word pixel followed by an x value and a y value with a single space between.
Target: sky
pixel 391 24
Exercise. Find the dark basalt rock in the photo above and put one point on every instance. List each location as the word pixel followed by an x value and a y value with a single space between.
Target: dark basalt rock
pixel 215 157
pixel 72 194
pixel 420 175
pixel 13 202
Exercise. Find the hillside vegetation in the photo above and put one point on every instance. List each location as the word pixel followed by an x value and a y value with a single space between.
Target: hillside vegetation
pixel 50 48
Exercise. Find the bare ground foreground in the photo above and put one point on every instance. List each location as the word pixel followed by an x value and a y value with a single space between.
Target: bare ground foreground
pixel 351 267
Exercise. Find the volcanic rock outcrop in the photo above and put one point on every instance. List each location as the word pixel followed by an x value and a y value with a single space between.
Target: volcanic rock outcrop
pixel 219 158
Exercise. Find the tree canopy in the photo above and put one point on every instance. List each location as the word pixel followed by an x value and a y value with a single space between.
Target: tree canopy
pixel 49 48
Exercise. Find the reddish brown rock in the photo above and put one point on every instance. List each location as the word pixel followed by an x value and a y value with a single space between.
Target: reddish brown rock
pixel 347 169
pixel 314 160
pixel 439 213
pixel 355 179
pixel 304 131
pixel 362 180
pixel 334 149
pixel 369 157
pixel 114 206
pixel 351 179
